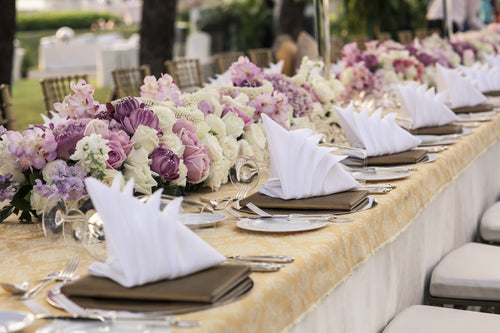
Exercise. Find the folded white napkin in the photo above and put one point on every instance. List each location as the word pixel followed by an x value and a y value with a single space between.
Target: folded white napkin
pixel 425 107
pixel 492 60
pixel 484 77
pixel 220 80
pixel 143 243
pixel 274 68
pixel 461 91
pixel 378 136
pixel 301 169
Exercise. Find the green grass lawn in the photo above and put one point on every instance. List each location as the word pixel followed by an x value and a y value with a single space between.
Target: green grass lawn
pixel 27 100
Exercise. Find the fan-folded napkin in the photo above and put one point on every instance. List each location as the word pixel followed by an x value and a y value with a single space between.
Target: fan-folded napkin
pixel 377 135
pixel 274 68
pixel 299 167
pixel 485 78
pixel 492 60
pixel 220 80
pixel 145 244
pixel 425 107
pixel 460 90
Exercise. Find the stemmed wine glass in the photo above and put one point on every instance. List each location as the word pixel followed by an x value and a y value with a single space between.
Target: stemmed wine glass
pixel 244 175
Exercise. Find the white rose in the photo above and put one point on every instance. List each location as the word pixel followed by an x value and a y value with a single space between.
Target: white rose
pixel 166 117
pixel 183 171
pixel 214 148
pixel 229 147
pixel 255 136
pixel 145 137
pixel 143 177
pixel 37 202
pixel 202 129
pixel 234 124
pixel 217 126
pixel 138 157
pixel 218 174
pixel 174 143
pixel 390 76
pixel 244 148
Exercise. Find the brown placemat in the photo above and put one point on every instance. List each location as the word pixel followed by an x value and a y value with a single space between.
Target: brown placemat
pixel 406 157
pixel 495 93
pixel 478 108
pixel 210 286
pixel 343 201
pixel 438 130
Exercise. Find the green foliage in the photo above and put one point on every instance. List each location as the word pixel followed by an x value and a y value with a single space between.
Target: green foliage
pixel 55 20
pixel 357 17
pixel 240 25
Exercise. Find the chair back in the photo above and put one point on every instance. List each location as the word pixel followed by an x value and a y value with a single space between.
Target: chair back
pixel 186 73
pixel 422 33
pixel 56 88
pixel 405 36
pixel 383 36
pixel 225 59
pixel 360 40
pixel 261 57
pixel 7 117
pixel 128 81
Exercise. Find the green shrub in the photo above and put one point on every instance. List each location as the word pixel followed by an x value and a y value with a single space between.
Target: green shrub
pixel 55 20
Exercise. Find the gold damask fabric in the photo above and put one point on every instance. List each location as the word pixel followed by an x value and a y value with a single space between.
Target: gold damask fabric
pixel 323 257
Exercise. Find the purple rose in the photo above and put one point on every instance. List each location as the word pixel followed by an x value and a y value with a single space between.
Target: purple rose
pixel 240 113
pixel 140 117
pixel 116 155
pixel 197 161
pixel 183 124
pixel 165 163
pixel 123 138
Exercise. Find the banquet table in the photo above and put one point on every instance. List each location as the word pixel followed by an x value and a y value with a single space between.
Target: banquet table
pixel 346 277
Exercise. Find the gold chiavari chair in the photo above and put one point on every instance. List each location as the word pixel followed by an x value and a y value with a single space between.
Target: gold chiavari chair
pixel 186 73
pixel 128 81
pixel 261 57
pixel 56 88
pixel 7 117
pixel 422 33
pixel 383 36
pixel 225 59
pixel 405 36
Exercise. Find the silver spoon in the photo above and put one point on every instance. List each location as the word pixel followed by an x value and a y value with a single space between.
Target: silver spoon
pixel 17 289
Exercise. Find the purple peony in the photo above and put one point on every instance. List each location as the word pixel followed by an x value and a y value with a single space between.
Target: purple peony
pixel 165 163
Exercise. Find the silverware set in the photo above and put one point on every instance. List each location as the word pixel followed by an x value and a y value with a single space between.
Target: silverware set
pixel 260 263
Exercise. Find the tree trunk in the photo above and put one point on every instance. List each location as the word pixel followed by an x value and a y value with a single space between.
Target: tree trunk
pixel 291 20
pixel 7 31
pixel 157 33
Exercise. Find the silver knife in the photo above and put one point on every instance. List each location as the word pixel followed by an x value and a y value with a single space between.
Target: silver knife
pixel 264 258
pixel 326 217
pixel 152 321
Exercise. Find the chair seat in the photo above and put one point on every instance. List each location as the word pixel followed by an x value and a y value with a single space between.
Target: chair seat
pixel 469 272
pixel 490 224
pixel 431 319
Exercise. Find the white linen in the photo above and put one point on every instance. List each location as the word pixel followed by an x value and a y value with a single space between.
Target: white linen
pixel 425 107
pixel 484 77
pixel 376 135
pixel 395 276
pixel 461 91
pixel 143 243
pixel 299 168
pixel 274 68
pixel 220 80
pixel 492 60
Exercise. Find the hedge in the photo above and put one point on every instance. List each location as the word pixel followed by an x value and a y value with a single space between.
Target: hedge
pixel 55 20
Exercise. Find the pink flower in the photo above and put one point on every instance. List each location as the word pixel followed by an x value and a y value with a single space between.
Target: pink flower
pixel 116 156
pixel 186 131
pixel 183 123
pixel 140 117
pixel 246 74
pixel 122 138
pixel 197 161
pixel 164 89
pixel 33 148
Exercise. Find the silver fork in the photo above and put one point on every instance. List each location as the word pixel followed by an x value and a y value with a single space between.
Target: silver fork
pixel 67 273
pixel 328 217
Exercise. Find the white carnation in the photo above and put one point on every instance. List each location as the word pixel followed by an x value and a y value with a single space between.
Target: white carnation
pixel 217 126
pixel 145 137
pixel 202 130
pixel 138 157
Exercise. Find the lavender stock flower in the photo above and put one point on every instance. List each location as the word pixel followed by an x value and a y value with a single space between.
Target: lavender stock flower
pixel 298 97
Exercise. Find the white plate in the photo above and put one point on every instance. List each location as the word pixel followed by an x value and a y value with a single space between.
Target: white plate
pixel 281 225
pixel 13 321
pixel 476 116
pixel 65 326
pixel 201 220
pixel 380 175
pixel 434 140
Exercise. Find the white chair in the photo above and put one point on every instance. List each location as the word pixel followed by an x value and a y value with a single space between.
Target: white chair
pixel 467 276
pixel 489 227
pixel 430 319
